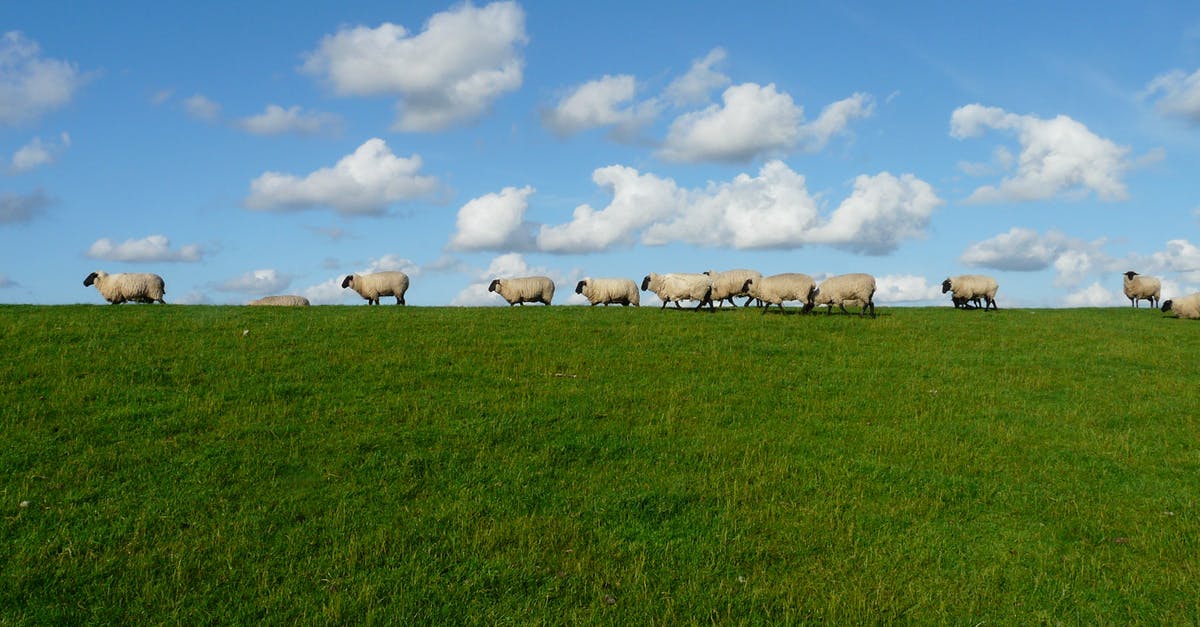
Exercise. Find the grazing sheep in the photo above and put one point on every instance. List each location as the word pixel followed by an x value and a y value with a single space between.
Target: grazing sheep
pixel 531 289
pixel 372 286
pixel 120 288
pixel 847 288
pixel 280 301
pixel 1184 306
pixel 774 289
pixel 677 287
pixel 1140 287
pixel 621 291
pixel 731 283
pixel 971 288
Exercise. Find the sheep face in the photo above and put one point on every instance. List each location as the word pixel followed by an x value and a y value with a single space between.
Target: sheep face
pixel 646 283
pixel 347 281
pixel 1129 275
pixel 945 286
pixel 579 287
pixel 91 278
pixel 494 285
pixel 1166 306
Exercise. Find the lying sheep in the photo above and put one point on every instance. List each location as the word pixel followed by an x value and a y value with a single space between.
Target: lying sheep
pixel 531 289
pixel 677 287
pixel 847 288
pixel 620 291
pixel 971 288
pixel 731 283
pixel 372 286
pixel 1184 306
pixel 1140 287
pixel 775 289
pixel 120 288
pixel 280 301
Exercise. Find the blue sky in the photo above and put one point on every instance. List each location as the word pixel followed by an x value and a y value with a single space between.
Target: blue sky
pixel 244 149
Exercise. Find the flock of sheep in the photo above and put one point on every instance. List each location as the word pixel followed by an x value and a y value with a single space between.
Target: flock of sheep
pixel 710 288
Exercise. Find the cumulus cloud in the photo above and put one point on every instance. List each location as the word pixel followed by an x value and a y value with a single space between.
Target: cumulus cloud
pixel 38 153
pixel 507 266
pixel 150 248
pixel 905 288
pixel 1059 156
pixel 276 120
pixel 770 210
pixel 1179 256
pixel 201 108
pixel 257 282
pixel 1026 250
pixel 363 183
pixel 694 86
pixel 1178 94
pixel 1094 295
pixel 452 71
pixel 608 101
pixel 20 208
pixel 755 121
pixel 494 222
pixel 31 85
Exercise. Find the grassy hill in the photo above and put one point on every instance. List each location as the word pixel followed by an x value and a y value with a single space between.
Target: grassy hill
pixel 526 465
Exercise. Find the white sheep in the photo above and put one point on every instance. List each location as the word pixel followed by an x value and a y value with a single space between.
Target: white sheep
pixel 372 286
pixel 971 288
pixel 119 288
pixel 1140 287
pixel 288 300
pixel 1184 306
pixel 731 283
pixel 674 287
pixel 530 289
pixel 777 288
pixel 621 291
pixel 846 289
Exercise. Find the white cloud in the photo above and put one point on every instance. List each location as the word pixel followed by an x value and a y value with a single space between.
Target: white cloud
pixel 771 210
pixel 1059 156
pixel 905 288
pixel 150 248
pixel 494 222
pixel 1178 94
pixel 1094 295
pixel 752 121
pixel 257 282
pixel 18 208
pixel 31 85
pixel 201 108
pixel 328 292
pixel 452 71
pixel 607 101
pixel 362 183
pixel 276 120
pixel 38 153
pixel 1026 250
pixel 755 121
pixel 638 200
pixel 1180 256
pixel 390 263
pixel 700 80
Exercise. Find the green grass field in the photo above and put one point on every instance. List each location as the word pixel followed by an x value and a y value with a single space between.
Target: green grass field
pixel 171 464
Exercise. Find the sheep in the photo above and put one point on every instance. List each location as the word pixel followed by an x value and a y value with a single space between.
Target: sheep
pixel 530 289
pixel 281 301
pixel 847 288
pixel 775 289
pixel 731 283
pixel 372 286
pixel 677 287
pixel 971 288
pixel 1184 306
pixel 136 287
pixel 1142 288
pixel 597 291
